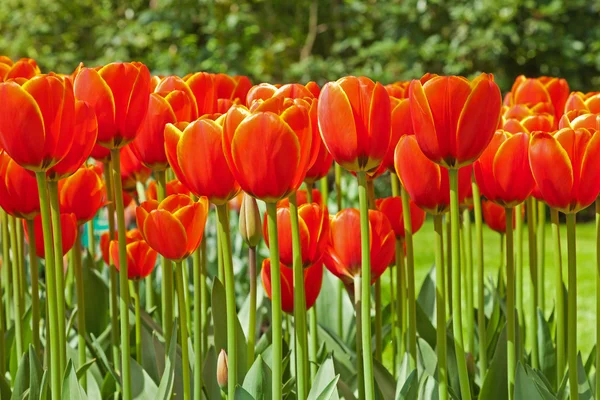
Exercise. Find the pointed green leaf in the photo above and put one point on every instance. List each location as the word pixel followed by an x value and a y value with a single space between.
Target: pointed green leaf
pixel 36 374
pixel 322 388
pixel 408 389
pixel 547 353
pixel 258 380
pixel 71 389
pixel 165 389
pixel 384 380
pixel 495 382
pixel 21 382
pixel 142 385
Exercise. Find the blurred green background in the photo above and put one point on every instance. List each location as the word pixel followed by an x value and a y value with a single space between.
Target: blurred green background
pixel 281 41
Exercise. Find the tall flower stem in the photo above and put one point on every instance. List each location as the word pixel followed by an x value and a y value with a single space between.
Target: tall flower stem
pixel 22 269
pixel 440 306
pixel 141 192
pixel 252 317
pixel 3 328
pixel 59 270
pixel 223 219
pixel 324 187
pixel 572 306
pixel 469 281
pixel 519 277
pixel 410 278
pixel 197 277
pixel 340 297
pixel 123 276
pixel 91 239
pixel 359 341
pixel 137 302
pixel 560 367
pixel 394 290
pixel 204 296
pixel 276 319
pixel 338 186
pixel 185 360
pixel 6 271
pixel 367 354
pixel 560 295
pixel 378 316
pixel 449 244
pixel 459 348
pixel 541 251
pixel 52 318
pixel 510 303
pixel 313 344
pixel 112 271
pixel 299 303
pixel 18 304
pixel 167 269
pixel 534 282
pixel 480 278
pixel 80 293
pixel 400 301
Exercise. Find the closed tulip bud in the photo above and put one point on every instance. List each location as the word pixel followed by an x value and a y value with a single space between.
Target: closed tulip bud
pixel 68 224
pixel 222 370
pixel 250 227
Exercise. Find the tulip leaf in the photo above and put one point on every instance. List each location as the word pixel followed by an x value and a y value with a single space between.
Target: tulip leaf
pixel 495 382
pixel 103 358
pixel 384 381
pixel 21 382
pixel 242 394
pixel 165 389
pixel 258 380
pixel 97 296
pixel 425 327
pixel 426 297
pixel 429 388
pixel 426 357
pixel 85 367
pixel 547 353
pixel 325 381
pixel 36 375
pixel 71 389
pixel 5 392
pixel 142 385
pixel 109 386
pixel 209 373
pixel 529 386
pixel 408 389
pixel 585 389
pixel 327 309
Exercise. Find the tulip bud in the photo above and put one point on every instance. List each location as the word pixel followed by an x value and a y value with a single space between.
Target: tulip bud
pixel 222 369
pixel 250 226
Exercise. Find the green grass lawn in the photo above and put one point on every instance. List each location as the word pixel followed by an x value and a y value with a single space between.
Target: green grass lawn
pixel 586 277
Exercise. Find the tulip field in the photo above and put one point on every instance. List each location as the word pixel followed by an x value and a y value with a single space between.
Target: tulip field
pixel 209 237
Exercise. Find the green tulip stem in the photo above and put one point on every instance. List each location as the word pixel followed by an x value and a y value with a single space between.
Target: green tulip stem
pixel 167 269
pixel 560 295
pixel 400 300
pixel 252 317
pixel 51 295
pixel 541 251
pixel 531 209
pixel 91 239
pixel 59 270
pixel 276 319
pixel 560 367
pixel 313 344
pixel 459 348
pixel 183 329
pixel 572 306
pixel 198 282
pixel 440 298
pixel 18 304
pixel 410 277
pixel 510 303
pixel 477 211
pixel 519 275
pixel 6 278
pixel 134 288
pixel 359 338
pixel 367 354
pixel 468 245
pixel 123 276
pixel 80 293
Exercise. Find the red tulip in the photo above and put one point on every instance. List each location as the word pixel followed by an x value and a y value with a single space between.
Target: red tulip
pixel 398 90
pixel 262 91
pixel 502 172
pixel 401 125
pixel 426 182
pixel 566 167
pixel 313 279
pixel 85 180
pixel 392 208
pixel 313 221
pixel 132 170
pixel 18 189
pixel 576 119
pixel 43 111
pixel 343 255
pixel 68 224
pixel 314 88
pixel 540 90
pixel 132 235
pixel 268 150
pixel 100 153
pixel 173 187
pixel 119 93
pixel 454 119
pixel 86 132
pixel 589 102
pixel 173 227
pixel 521 118
pixel 140 258
pixel 202 85
pixel 232 88
pixel 354 119
pixel 165 107
pixel 494 216
pixel 25 68
pixel 196 155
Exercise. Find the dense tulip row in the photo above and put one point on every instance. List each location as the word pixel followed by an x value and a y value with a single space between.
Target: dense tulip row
pixel 75 144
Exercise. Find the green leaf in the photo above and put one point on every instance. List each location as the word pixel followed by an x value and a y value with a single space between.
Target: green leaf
pixel 36 375
pixel 165 389
pixel 93 390
pixel 258 380
pixel 103 358
pixel 384 380
pixel 426 297
pixel 408 389
pixel 427 357
pixel 325 381
pixel 425 328
pixel 547 353
pixel 84 368
pixel 97 308
pixel 585 389
pixel 209 373
pixel 429 389
pixel 21 382
pixel 5 392
pixel 494 385
pixel 524 385
pixel 109 386
pixel 71 389
pixel 242 394
pixel 142 385
pixel 44 385
pixel 328 314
